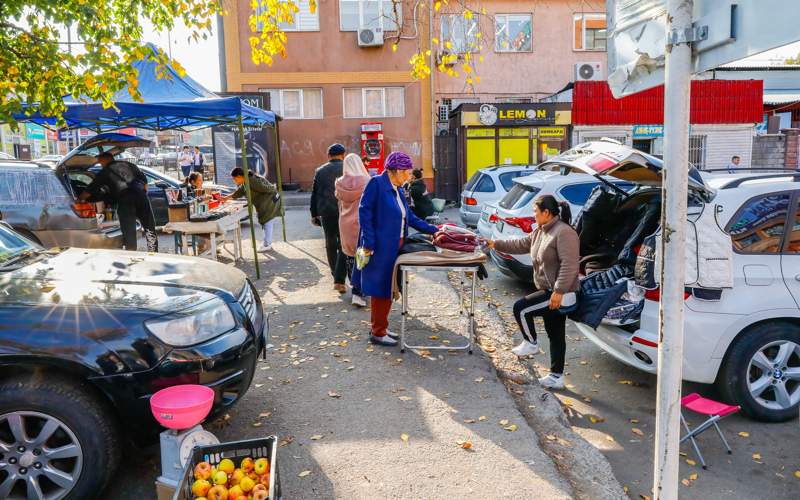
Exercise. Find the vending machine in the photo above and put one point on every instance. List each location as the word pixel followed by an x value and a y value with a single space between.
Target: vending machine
pixel 372 147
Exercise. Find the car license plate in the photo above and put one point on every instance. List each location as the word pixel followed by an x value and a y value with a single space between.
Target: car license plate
pixel 500 225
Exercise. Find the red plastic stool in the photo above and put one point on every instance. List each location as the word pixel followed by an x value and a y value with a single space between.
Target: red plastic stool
pixel 715 410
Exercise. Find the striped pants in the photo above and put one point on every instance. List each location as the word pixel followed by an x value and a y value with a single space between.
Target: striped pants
pixel 538 304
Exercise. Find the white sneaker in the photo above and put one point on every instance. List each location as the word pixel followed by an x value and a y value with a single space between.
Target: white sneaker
pixel 552 381
pixel 359 301
pixel 264 248
pixel 526 348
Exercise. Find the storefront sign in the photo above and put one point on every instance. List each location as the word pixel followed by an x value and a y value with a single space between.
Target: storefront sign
pixel 648 131
pixel 34 131
pixel 551 132
pixel 505 114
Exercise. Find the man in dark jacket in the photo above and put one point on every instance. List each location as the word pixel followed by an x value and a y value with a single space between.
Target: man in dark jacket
pixel 124 183
pixel 423 207
pixel 325 213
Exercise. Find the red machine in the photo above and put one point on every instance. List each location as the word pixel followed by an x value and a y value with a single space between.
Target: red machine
pixel 372 147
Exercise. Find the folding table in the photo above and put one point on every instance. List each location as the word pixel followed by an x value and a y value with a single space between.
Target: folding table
pixel 465 271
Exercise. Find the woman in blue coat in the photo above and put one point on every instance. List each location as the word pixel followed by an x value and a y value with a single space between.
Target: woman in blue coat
pixel 384 217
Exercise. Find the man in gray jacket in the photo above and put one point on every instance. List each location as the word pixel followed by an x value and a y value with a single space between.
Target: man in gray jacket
pixel 325 213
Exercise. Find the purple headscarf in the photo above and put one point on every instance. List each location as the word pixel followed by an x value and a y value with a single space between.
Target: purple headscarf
pixel 398 161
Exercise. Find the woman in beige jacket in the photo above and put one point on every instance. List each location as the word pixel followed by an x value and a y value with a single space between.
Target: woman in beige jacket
pixel 554 247
pixel 349 188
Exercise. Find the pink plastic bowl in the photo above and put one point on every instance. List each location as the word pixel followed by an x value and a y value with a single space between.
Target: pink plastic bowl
pixel 182 406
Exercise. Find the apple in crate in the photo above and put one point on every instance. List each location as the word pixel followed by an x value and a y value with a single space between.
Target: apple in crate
pixel 200 487
pixel 261 466
pixel 218 492
pixel 235 492
pixel 220 478
pixel 247 465
pixel 202 471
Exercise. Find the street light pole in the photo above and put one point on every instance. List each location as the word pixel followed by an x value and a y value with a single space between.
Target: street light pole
pixel 673 222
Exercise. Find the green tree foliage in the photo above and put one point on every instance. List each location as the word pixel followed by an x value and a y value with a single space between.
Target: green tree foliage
pixel 793 60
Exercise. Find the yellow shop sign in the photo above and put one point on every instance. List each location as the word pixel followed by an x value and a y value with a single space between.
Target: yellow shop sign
pixel 551 131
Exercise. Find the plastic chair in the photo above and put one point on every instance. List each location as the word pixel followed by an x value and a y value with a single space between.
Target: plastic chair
pixel 438 208
pixel 715 410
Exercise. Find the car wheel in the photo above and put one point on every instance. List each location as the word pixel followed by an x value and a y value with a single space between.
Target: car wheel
pixel 56 441
pixel 761 372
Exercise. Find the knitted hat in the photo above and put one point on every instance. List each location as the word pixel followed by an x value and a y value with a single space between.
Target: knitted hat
pixel 335 149
pixel 398 161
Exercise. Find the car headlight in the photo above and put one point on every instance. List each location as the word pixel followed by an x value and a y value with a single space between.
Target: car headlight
pixel 197 324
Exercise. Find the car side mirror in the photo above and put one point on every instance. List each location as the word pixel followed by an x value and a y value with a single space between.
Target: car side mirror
pixel 162 185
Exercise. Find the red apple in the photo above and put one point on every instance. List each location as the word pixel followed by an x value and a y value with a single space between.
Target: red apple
pixel 247 464
pixel 236 477
pixel 200 487
pixel 202 471
pixel 235 492
pixel 218 492
pixel 264 479
pixel 260 495
pixel 247 484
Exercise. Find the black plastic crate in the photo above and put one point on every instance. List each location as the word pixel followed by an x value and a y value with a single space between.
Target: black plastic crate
pixel 235 450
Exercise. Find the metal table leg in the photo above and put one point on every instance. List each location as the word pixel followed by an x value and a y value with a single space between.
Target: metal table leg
pixel 404 309
pixel 213 238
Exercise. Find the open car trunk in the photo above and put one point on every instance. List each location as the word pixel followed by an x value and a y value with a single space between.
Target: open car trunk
pixel 619 231
pixel 74 172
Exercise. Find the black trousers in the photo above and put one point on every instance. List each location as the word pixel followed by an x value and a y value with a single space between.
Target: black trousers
pixel 337 260
pixel 538 304
pixel 133 206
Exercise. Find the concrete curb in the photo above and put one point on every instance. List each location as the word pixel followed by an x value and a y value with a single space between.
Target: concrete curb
pixel 584 466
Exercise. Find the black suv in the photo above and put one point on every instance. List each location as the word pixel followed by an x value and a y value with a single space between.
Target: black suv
pixel 87 336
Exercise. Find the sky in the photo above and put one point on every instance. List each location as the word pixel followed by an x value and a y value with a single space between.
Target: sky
pixel 201 59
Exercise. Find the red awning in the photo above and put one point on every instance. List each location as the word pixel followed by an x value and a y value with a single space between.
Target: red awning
pixel 713 101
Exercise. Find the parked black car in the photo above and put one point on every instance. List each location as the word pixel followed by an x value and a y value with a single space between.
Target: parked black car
pixel 88 336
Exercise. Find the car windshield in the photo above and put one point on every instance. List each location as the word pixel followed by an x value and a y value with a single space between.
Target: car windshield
pixel 519 196
pixel 13 246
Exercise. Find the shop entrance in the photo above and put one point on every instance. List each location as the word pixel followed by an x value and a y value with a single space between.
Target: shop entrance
pixel 643 145
pixel 481 146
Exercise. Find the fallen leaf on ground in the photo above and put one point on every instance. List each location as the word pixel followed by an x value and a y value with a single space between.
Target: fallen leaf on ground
pixel 287 440
pixel 304 473
pixel 610 438
pixel 644 497
pixel 596 375
pixel 479 380
pixel 637 431
pixel 316 437
pixel 690 461
pixel 626 382
pixel 584 362
pixel 324 375
pixel 511 428
pixel 693 477
pixel 756 456
pixel 596 420
pixel 469 421
pixel 685 482
pixel 744 434
pixel 625 488
pixel 404 438
pixel 334 394
pixel 405 398
pixel 504 422
pixel 266 414
pixel 481 418
pixel 257 424
pixel 634 420
pixel 465 444
pixel 797 474
pixel 434 337
pixel 489 349
pixel 259 385
pixel 550 437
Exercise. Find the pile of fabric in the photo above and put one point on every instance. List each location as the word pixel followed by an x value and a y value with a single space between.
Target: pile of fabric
pixel 452 237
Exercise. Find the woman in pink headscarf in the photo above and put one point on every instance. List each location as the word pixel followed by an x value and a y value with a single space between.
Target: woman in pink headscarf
pixel 349 188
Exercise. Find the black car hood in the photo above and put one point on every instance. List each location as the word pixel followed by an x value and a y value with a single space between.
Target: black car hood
pixel 111 278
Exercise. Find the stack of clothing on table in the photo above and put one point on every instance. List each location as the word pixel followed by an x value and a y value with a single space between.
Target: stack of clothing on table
pixel 456 238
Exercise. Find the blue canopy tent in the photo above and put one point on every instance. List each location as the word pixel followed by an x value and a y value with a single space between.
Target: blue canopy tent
pixel 168 101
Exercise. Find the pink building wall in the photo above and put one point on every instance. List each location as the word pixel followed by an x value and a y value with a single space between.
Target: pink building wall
pixel 541 72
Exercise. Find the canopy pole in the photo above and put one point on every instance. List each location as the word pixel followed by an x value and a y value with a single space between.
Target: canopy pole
pixel 243 141
pixel 278 177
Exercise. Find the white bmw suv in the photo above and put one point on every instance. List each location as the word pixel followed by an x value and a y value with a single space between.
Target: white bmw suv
pixel 742 324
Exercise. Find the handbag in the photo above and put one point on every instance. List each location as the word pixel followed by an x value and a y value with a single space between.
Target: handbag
pixel 569 303
pixel 362 258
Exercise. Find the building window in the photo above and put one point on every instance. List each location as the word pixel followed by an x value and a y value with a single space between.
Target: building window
pixel 296 104
pixel 461 33
pixel 697 151
pixel 514 99
pixel 512 33
pixel 304 19
pixel 589 31
pixel 356 14
pixel 378 102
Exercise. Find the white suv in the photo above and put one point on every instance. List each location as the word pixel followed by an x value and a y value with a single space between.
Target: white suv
pixel 744 338
pixel 513 216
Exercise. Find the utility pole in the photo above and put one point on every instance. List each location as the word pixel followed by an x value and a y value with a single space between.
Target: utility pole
pixel 673 267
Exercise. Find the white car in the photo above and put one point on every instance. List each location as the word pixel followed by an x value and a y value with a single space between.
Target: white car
pixel 488 185
pixel 513 216
pixel 745 338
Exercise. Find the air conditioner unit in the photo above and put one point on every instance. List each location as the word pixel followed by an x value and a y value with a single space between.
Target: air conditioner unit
pixel 589 71
pixel 370 37
pixel 443 113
